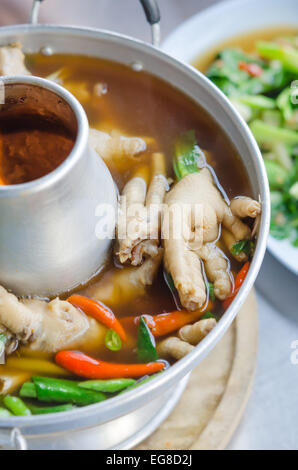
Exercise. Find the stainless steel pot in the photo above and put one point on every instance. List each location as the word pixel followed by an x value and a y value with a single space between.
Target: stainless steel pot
pixel 98 426
pixel 53 216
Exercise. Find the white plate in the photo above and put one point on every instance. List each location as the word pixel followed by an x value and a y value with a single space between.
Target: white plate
pixel 204 31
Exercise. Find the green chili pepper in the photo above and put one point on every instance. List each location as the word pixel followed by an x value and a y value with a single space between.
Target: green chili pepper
pixel 42 410
pixel 4 413
pixel 108 386
pixel 146 349
pixel 16 406
pixel 64 391
pixel 113 340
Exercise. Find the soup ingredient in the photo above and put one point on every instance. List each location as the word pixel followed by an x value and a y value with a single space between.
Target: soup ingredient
pixel 174 348
pixel 268 102
pixel 127 284
pixel 11 379
pixel 113 341
pixel 245 247
pixel 16 406
pixel 200 228
pixel 193 334
pixel 139 219
pixel 188 336
pixel 146 348
pixel 84 366
pixel 240 278
pixel 12 60
pixel 115 145
pixel 245 207
pixel 36 366
pixel 98 311
pixel 61 391
pixel 48 326
pixel 165 323
pixel 107 386
pixel 41 410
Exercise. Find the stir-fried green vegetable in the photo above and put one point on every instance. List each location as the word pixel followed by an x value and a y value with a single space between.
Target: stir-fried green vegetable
pixel 263 88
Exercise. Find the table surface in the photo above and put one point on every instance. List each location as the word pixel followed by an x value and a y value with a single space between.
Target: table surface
pixel 270 420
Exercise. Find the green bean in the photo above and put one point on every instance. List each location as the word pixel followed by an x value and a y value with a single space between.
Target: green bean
pixel 108 386
pixel 16 406
pixel 64 391
pixel 4 413
pixel 41 410
pixel 28 390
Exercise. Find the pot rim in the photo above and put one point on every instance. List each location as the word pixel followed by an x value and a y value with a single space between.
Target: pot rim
pixel 129 401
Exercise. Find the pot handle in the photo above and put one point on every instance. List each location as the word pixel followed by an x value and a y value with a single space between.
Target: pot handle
pixel 12 439
pixel 150 7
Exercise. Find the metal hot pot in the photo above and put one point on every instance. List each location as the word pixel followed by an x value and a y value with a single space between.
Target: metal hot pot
pixel 123 421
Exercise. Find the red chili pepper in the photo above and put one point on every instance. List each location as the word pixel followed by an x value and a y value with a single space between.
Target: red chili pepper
pixel 238 283
pixel 165 323
pixel 85 366
pixel 254 70
pixel 98 311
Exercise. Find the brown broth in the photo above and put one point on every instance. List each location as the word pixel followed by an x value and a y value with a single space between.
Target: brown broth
pixel 139 104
